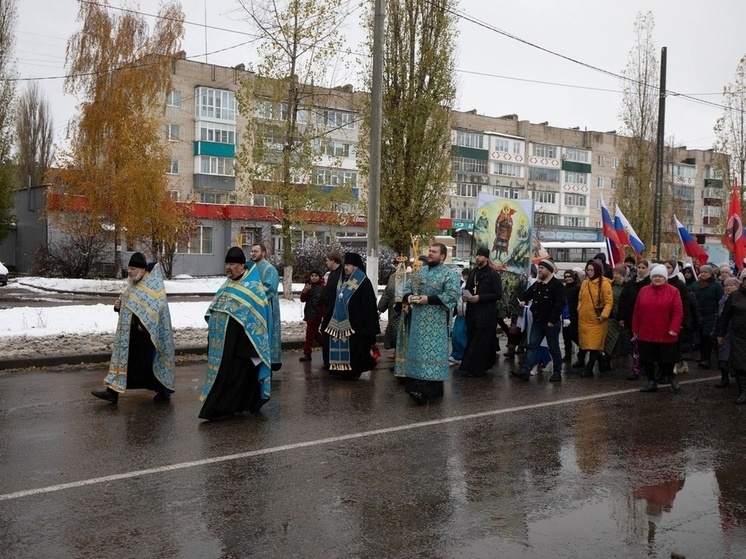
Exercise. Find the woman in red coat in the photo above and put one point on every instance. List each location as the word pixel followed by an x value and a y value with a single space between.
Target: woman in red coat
pixel 655 323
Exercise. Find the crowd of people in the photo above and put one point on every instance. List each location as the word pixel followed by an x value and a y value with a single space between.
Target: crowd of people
pixel 655 316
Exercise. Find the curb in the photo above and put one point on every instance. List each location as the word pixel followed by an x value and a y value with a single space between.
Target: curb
pixel 57 360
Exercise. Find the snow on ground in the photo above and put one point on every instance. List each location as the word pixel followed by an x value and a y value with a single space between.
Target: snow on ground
pixel 27 332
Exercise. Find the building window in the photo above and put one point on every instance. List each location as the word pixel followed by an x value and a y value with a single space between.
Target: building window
pixel 502 144
pixel 542 219
pixel 173 167
pixel 684 192
pixel 713 172
pixel 201 241
pixel 544 175
pixel 579 155
pixel 471 190
pixel 710 211
pixel 215 165
pixel 216 132
pixel 468 165
pixel 601 160
pixel 614 162
pixel 544 197
pixel 336 149
pixel 173 99
pixel 507 169
pixel 684 171
pixel 218 104
pixel 174 195
pixel 469 139
pixel 575 200
pixel 173 131
pixel 335 177
pixel 336 119
pixel 543 150
pixel 600 182
pixel 576 178
pixel 574 221
pixel 613 184
pixel 462 214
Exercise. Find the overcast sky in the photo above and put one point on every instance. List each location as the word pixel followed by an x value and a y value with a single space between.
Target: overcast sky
pixel 497 75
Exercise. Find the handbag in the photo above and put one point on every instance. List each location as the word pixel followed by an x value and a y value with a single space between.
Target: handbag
pixel 600 309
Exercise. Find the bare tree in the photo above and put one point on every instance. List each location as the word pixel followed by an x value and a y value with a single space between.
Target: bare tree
pixel 731 127
pixel 418 93
pixel 8 16
pixel 639 114
pixel 34 133
pixel 288 156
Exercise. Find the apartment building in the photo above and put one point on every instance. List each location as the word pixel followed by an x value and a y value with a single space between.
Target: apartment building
pixel 566 172
pixel 204 129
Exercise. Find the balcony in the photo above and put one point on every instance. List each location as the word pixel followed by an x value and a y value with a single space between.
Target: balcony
pixel 717 202
pixel 711 220
pixel 713 183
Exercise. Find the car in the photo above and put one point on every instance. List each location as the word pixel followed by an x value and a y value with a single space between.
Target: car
pixel 3 275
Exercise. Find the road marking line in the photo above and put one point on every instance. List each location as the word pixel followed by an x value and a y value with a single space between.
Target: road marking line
pixel 316 442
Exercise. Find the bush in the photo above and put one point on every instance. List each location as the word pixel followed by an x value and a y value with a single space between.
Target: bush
pixel 312 255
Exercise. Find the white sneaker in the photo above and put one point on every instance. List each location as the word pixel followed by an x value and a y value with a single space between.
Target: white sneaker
pixel 683 367
pixel 453 361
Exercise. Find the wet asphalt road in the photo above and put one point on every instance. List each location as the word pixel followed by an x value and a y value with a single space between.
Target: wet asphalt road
pixel 330 468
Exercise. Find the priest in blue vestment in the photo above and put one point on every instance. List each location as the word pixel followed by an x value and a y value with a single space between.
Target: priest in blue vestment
pixel 239 341
pixel 430 296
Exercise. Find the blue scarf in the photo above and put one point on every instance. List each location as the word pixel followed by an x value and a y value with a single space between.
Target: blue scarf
pixel 339 327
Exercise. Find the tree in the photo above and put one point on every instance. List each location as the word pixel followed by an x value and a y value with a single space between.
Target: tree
pixel 639 115
pixel 35 140
pixel 286 151
pixel 118 158
pixel 731 127
pixel 418 93
pixel 8 17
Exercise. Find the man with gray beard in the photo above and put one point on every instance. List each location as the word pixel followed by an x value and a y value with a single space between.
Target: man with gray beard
pixel 143 352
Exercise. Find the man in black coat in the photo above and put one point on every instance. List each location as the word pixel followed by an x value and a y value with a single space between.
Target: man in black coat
pixel 328 297
pixel 485 291
pixel 548 296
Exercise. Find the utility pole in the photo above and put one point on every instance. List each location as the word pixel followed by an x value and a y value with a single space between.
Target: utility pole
pixel 659 157
pixel 376 118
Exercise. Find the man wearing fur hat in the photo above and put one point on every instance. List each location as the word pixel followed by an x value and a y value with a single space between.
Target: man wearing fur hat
pixel 239 343
pixel 483 291
pixel 143 352
pixel 548 296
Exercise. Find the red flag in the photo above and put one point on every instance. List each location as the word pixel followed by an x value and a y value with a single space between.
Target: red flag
pixel 733 238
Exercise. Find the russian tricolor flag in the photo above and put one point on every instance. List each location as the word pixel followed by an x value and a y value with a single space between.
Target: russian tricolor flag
pixel 616 254
pixel 691 247
pixel 624 228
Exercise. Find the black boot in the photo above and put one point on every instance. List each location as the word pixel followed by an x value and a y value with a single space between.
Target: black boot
pixel 724 378
pixel 580 363
pixel 588 371
pixel 741 380
pixel 651 386
pixel 107 394
pixel 674 382
pixel 604 363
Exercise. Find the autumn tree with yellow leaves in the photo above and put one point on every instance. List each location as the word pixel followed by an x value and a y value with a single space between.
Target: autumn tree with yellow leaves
pixel 117 160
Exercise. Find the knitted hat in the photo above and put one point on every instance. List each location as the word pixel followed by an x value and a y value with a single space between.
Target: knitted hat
pixel 706 268
pixel 548 264
pixel 731 281
pixel 235 256
pixel 138 261
pixel 659 270
pixel 483 251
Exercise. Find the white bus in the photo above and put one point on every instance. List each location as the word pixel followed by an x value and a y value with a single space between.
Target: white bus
pixel 573 254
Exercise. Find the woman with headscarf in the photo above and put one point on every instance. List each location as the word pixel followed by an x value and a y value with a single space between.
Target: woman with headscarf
pixel 689 277
pixel 627 307
pixel 656 322
pixel 733 321
pixel 595 302
pixel 708 292
pixel 354 324
pixel 723 350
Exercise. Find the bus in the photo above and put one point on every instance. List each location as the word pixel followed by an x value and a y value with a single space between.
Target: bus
pixel 574 254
